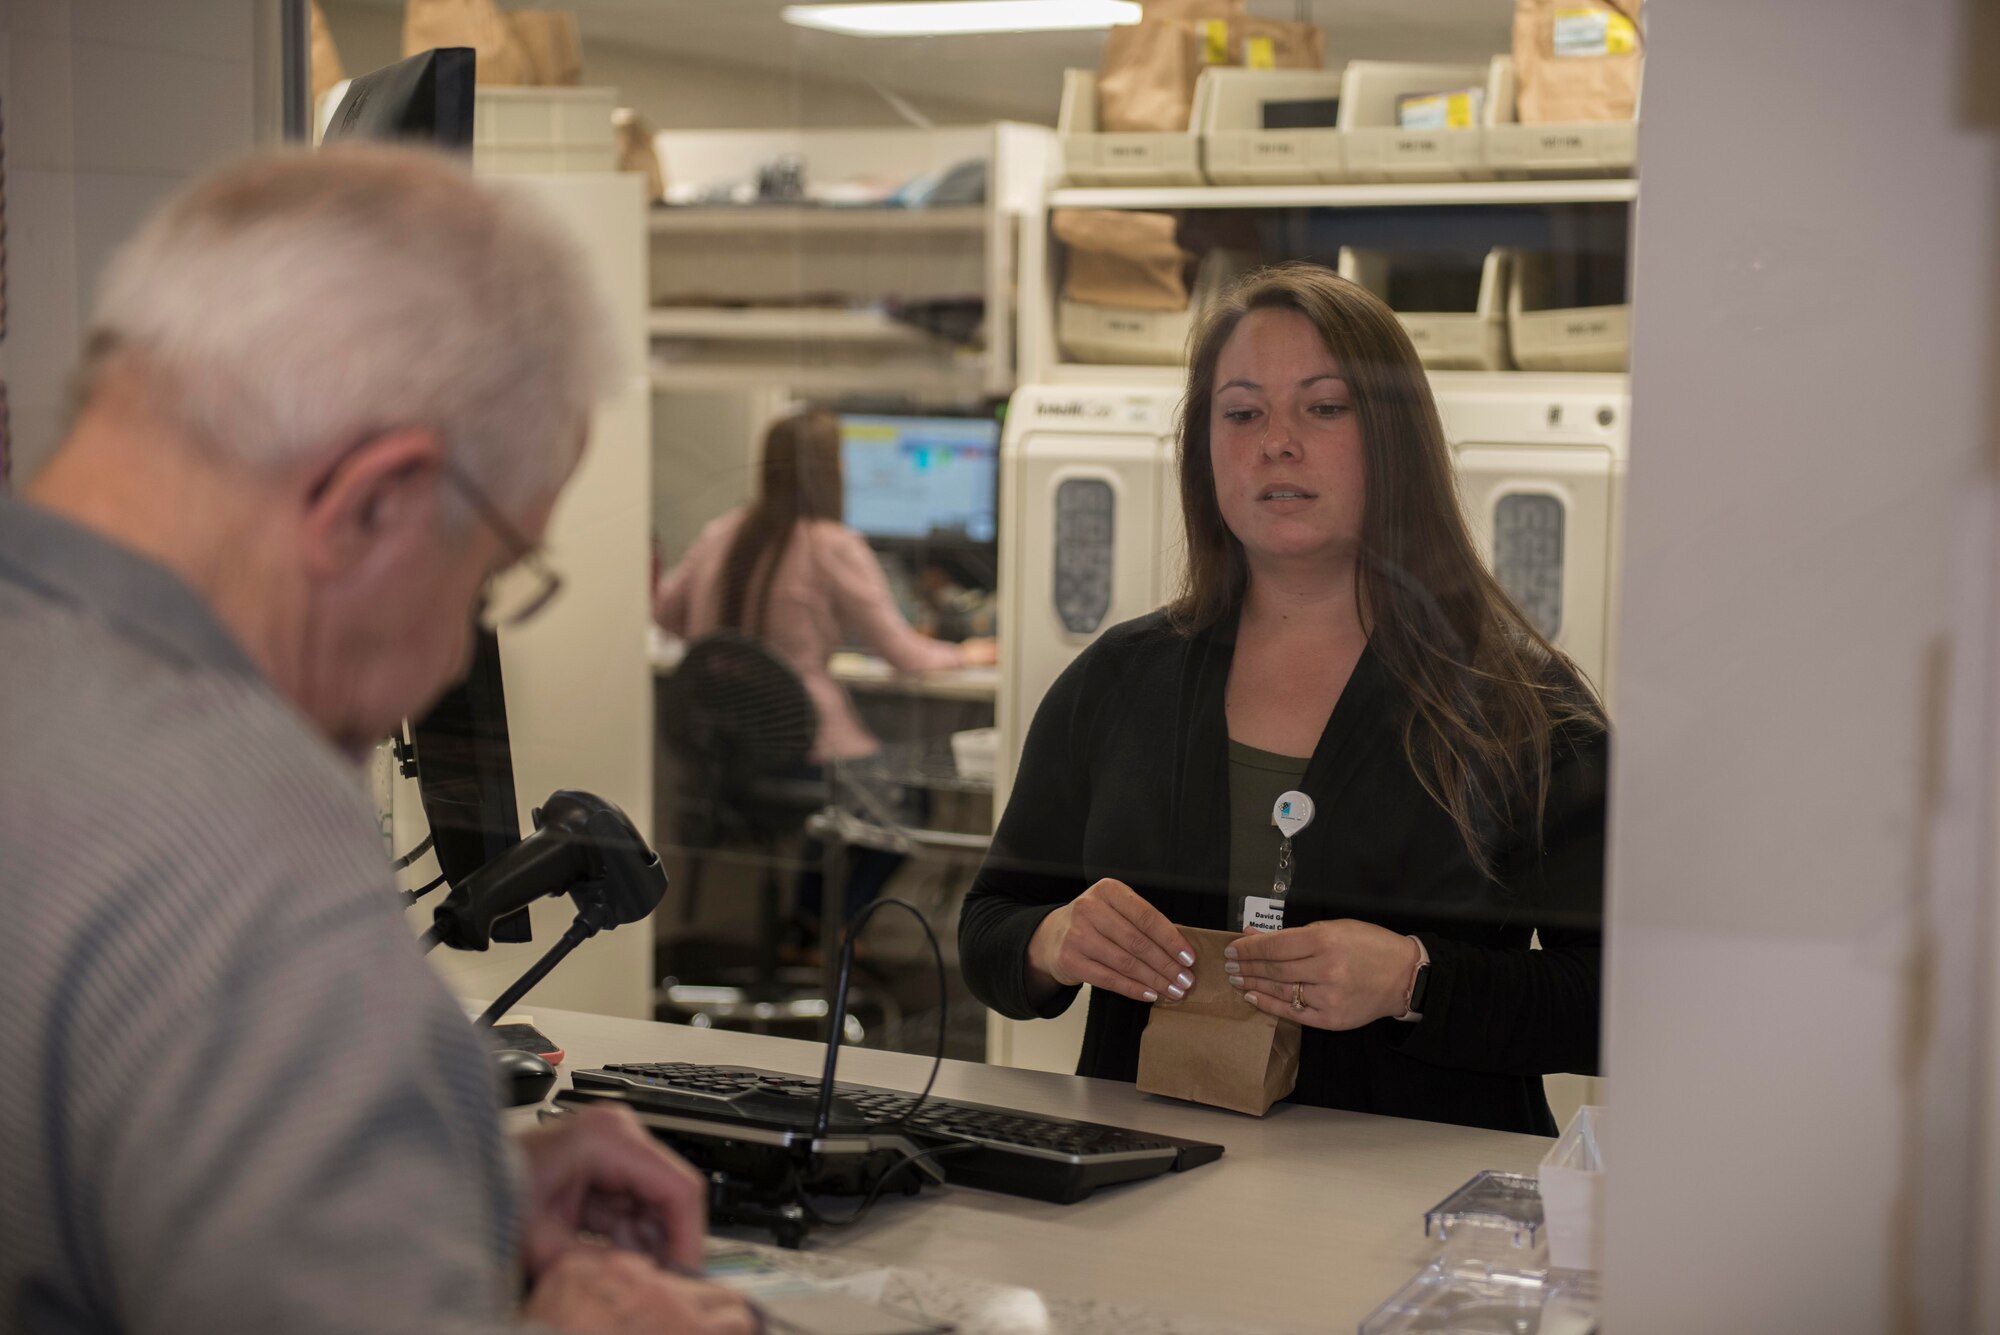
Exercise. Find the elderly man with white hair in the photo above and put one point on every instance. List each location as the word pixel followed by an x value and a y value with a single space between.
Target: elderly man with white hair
pixel 326 405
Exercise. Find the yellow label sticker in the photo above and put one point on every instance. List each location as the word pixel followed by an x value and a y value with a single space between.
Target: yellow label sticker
pixel 1620 37
pixel 1261 55
pixel 1584 32
pixel 1458 112
pixel 1215 41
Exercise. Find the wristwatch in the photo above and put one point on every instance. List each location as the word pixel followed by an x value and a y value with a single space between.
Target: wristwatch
pixel 1419 985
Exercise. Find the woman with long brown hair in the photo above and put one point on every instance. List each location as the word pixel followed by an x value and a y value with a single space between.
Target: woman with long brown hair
pixel 1337 636
pixel 786 570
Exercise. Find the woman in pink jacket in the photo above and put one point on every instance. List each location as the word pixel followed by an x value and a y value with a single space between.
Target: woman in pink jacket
pixel 787 571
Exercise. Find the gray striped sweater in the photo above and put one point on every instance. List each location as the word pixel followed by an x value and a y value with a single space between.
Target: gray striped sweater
pixel 232 1096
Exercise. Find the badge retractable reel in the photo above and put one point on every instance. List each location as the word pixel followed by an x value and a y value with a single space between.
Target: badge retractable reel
pixel 1292 812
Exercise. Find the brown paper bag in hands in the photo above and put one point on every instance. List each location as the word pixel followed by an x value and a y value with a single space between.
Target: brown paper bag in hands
pixel 1576 60
pixel 478 24
pixel 1214 1047
pixel 553 45
pixel 1114 257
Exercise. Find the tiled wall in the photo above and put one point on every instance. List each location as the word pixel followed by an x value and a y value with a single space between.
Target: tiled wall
pixel 109 104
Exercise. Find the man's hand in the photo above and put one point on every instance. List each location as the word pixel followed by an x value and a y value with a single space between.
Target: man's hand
pixel 603 1291
pixel 1110 938
pixel 599 1174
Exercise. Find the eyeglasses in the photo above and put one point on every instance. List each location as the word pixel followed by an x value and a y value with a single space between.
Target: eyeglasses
pixel 516 593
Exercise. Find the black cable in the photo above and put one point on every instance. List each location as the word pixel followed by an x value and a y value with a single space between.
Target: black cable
pixel 412 896
pixel 875 1192
pixel 581 930
pixel 414 854
pixel 428 941
pixel 838 1016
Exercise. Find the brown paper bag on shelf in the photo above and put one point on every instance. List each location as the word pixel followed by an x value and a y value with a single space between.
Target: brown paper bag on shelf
pixel 478 24
pixel 326 67
pixel 1123 259
pixel 553 45
pixel 1212 1046
pixel 639 152
pixel 1192 9
pixel 1146 80
pixel 1576 60
pixel 1291 46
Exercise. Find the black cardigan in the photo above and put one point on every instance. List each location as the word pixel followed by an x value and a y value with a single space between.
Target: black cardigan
pixel 1125 774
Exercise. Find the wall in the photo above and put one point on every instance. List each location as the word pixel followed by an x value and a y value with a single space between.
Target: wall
pixel 579 691
pixel 1791 956
pixel 671 93
pixel 109 104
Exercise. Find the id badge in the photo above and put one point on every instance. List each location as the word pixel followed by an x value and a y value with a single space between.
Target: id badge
pixel 1262 914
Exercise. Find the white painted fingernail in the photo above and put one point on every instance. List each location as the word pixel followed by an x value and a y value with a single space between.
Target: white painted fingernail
pixel 1150 995
pixel 1184 980
pixel 1236 982
pixel 1231 966
pixel 1175 992
pixel 1187 959
pixel 1250 997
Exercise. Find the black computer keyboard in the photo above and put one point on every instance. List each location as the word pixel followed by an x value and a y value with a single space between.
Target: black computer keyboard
pixel 1022 1154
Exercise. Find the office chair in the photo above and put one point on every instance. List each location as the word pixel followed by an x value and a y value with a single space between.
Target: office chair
pixel 740 724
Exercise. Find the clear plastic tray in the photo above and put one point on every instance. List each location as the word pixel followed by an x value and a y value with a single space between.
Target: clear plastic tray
pixel 1461 1298
pixel 1504 1205
pixel 1453 1295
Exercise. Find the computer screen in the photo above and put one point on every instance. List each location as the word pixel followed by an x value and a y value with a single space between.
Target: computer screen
pixel 921 477
pixel 464 760
pixel 426 98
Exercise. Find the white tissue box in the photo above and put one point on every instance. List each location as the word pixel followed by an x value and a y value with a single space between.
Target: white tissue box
pixel 1572 1179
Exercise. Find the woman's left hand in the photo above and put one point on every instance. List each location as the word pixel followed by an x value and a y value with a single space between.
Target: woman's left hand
pixel 1342 973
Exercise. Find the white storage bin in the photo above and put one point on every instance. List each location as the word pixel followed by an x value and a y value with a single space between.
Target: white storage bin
pixel 1572 1180
pixel 1560 315
pixel 1108 335
pixel 1093 158
pixel 976 753
pixel 1236 146
pixel 543 130
pixel 1377 149
pixel 1454 312
pixel 1516 151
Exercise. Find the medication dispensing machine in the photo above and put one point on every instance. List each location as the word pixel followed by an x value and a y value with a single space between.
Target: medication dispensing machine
pixel 1091 535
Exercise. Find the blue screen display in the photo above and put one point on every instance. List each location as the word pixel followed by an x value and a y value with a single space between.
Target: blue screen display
pixel 912 477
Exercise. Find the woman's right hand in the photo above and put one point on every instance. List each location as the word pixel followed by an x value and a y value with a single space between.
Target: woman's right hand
pixel 1110 938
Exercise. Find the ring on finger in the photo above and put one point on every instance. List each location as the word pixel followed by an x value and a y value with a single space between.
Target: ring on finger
pixel 1298 996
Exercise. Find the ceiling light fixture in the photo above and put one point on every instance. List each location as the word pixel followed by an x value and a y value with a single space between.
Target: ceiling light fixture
pixel 940 18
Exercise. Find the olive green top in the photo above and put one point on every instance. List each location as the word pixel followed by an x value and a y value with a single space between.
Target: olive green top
pixel 1256 778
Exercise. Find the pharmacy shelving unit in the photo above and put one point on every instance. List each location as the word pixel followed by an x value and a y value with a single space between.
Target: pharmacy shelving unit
pixel 734 289
pixel 1041 359
pixel 1304 127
